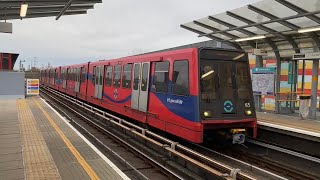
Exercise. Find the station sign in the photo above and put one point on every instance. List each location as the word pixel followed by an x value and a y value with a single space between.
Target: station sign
pixel 259 52
pixel 263 80
pixel 32 86
pixel 306 56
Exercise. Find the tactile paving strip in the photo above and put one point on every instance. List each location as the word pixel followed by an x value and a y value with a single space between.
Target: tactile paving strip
pixel 37 159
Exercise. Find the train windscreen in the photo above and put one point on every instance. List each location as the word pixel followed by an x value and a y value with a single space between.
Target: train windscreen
pixel 225 84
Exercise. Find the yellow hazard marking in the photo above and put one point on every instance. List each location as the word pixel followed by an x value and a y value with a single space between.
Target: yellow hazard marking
pixel 73 150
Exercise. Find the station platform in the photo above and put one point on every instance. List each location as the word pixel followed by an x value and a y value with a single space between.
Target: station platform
pixel 37 143
pixel 289 123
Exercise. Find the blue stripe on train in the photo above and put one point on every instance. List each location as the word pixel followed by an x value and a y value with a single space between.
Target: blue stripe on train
pixel 183 106
pixel 117 101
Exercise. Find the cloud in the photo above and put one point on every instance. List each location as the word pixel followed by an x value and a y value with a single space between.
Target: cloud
pixel 113 29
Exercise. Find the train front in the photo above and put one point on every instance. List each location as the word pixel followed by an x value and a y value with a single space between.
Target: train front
pixel 226 98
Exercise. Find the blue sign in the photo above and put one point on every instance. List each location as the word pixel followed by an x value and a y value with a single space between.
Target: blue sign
pixel 228 106
pixel 263 70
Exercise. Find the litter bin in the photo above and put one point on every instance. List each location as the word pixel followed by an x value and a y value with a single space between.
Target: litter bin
pixel 304 105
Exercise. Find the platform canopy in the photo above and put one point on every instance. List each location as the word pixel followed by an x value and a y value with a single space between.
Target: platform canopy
pixel 269 21
pixel 11 9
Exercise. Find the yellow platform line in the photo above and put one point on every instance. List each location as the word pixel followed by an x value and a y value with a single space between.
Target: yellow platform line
pixel 73 150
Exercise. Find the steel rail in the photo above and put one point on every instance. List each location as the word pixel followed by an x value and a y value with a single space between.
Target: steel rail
pixel 284 150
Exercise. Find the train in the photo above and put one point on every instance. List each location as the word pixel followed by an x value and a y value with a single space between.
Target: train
pixel 193 93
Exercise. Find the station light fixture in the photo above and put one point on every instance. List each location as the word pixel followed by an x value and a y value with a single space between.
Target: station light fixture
pixel 311 29
pixel 251 38
pixel 23 10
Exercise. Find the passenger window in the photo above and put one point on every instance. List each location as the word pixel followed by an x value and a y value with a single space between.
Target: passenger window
pixel 243 80
pixel 84 74
pixel 180 78
pixel 101 68
pixel 108 75
pixel 93 75
pixel 116 77
pixel 145 74
pixel 136 76
pixel 161 77
pixel 126 77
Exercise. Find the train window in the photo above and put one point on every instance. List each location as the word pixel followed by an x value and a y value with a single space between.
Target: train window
pixel 108 75
pixel 126 77
pixel 56 74
pixel 101 75
pixel 117 76
pixel 96 79
pixel 84 74
pixel 180 79
pixel 161 77
pixel 144 79
pixel 243 80
pixel 136 76
pixel 74 74
pixel 93 75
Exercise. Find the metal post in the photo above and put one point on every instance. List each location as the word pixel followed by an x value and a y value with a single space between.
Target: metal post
pixel 259 63
pixel 303 72
pixel 278 84
pixel 314 89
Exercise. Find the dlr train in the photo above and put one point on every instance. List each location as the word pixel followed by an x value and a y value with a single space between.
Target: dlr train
pixel 192 93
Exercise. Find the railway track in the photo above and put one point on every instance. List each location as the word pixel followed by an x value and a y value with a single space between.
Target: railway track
pixel 171 158
pixel 276 163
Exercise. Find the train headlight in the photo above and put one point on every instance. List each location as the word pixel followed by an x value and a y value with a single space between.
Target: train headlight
pixel 248 112
pixel 207 114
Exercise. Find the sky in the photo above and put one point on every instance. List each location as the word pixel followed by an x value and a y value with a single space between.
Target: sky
pixel 114 28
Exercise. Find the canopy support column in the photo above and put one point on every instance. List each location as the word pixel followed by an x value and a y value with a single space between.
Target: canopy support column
pixel 278 66
pixel 314 89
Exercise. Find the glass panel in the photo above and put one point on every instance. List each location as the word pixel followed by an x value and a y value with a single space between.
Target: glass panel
pixel 145 75
pixel 136 76
pixel 243 80
pixel 226 81
pixel 209 86
pixel 180 78
pixel 161 77
pixel 101 68
pixel 116 79
pixel 109 76
pixel 126 77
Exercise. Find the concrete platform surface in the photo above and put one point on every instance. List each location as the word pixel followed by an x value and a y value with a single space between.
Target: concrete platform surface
pixel 293 123
pixel 37 143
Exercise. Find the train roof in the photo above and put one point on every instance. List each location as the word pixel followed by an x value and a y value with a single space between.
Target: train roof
pixel 169 51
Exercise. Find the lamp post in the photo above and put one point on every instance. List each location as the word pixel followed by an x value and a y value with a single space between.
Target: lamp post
pixel 20 64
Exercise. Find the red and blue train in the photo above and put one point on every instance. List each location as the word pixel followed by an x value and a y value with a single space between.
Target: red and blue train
pixel 193 93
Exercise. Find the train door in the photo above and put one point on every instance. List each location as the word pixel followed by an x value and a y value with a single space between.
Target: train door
pixel 96 76
pixel 101 74
pixel 77 82
pixel 98 83
pixel 64 80
pixel 227 88
pixel 139 97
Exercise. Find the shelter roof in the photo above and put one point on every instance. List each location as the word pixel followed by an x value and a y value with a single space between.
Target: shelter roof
pixel 10 9
pixel 277 20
